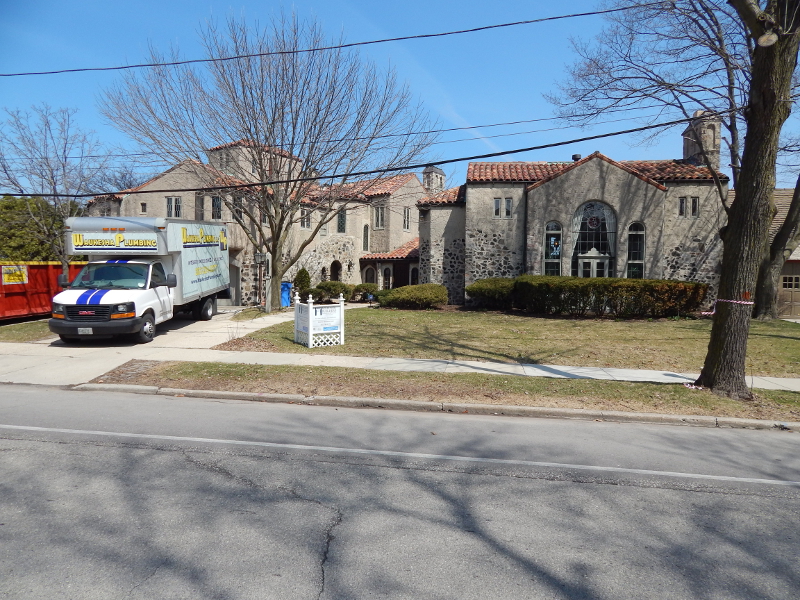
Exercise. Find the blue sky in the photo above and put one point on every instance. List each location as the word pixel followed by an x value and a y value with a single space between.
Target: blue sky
pixel 473 79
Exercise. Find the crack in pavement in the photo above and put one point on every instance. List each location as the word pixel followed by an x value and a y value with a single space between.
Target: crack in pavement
pixel 143 581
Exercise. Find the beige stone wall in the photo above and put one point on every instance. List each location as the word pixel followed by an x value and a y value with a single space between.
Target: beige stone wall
pixel 632 200
pixel 494 247
pixel 442 245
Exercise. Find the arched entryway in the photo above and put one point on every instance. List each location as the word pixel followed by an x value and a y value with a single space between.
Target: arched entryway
pixel 336 271
pixel 369 275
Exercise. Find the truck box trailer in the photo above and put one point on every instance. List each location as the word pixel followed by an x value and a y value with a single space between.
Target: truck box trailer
pixel 141 272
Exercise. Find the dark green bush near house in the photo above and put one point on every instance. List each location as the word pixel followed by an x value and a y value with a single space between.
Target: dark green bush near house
pixel 623 298
pixel 334 288
pixel 302 281
pixel 318 295
pixel 362 290
pixel 494 292
pixel 415 297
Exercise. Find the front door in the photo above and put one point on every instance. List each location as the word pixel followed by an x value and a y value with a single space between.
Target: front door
pixel 594 264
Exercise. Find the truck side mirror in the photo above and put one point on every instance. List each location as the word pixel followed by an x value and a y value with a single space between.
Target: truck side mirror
pixel 172 280
pixel 62 281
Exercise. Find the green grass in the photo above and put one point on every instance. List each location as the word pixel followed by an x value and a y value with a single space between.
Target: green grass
pixel 674 345
pixel 465 387
pixel 27 331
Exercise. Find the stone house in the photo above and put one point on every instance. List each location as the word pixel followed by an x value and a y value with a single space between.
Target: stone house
pixel 377 217
pixel 592 217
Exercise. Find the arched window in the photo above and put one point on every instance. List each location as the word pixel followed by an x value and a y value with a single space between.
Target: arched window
pixel 636 251
pixel 594 228
pixel 369 275
pixel 365 239
pixel 387 279
pixel 336 271
pixel 552 248
pixel 414 276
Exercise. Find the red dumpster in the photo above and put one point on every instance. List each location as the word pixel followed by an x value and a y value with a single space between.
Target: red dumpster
pixel 26 288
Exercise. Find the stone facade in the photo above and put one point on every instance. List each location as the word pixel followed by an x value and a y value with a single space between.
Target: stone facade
pixel 592 217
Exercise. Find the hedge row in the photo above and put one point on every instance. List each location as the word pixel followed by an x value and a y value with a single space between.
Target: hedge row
pixel 416 297
pixel 575 296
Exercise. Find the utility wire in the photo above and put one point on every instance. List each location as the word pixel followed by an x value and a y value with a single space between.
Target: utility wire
pixel 336 47
pixel 448 129
pixel 412 167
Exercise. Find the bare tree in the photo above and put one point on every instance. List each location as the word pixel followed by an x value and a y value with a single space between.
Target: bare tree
pixel 292 115
pixel 674 58
pixel 45 152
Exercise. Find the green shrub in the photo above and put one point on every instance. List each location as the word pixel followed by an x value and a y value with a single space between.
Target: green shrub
pixel 363 290
pixel 619 297
pixel 302 281
pixel 415 297
pixel 318 294
pixel 334 288
pixel 494 292
pixel 381 294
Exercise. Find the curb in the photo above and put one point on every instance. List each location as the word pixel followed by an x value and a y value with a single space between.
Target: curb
pixel 460 408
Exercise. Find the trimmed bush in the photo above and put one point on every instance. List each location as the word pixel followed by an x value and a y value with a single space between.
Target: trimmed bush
pixel 302 281
pixel 318 294
pixel 334 288
pixel 494 292
pixel 619 297
pixel 362 290
pixel 415 297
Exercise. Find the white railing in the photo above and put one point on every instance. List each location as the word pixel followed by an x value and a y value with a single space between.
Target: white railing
pixel 316 326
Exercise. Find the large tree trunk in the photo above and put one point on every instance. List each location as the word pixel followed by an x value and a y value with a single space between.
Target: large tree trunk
pixel 745 236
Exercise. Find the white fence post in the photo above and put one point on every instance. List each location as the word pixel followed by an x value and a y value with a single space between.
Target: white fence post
pixel 341 319
pixel 310 321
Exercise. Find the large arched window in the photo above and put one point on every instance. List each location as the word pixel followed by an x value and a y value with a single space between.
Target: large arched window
pixel 594 229
pixel 636 251
pixel 365 239
pixel 552 248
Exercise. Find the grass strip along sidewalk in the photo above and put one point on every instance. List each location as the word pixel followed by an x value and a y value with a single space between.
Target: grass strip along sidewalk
pixel 673 345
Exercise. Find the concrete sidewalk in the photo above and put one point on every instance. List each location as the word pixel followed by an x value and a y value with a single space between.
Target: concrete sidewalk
pixel 52 362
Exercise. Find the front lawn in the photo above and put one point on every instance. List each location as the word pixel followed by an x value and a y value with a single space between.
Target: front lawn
pixel 664 344
pixel 25 331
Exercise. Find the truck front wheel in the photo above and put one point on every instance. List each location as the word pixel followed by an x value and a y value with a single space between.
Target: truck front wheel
pixel 147 331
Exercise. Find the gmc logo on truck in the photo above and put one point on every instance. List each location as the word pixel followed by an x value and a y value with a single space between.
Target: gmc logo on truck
pixel 85 312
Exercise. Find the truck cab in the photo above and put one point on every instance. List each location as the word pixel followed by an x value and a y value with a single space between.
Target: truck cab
pixel 114 297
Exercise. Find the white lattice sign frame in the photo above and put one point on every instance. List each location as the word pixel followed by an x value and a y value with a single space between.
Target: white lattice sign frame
pixel 317 326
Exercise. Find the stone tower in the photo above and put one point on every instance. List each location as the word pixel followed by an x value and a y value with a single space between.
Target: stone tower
pixel 708 129
pixel 433 179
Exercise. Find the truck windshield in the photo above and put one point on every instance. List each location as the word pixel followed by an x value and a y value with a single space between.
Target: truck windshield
pixel 112 275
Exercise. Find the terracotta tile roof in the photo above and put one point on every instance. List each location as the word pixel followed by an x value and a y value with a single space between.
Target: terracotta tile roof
pixel 603 157
pixel 533 172
pixel 407 250
pixel 252 144
pixel 454 195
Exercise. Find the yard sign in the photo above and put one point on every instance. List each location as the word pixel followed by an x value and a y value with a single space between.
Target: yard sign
pixel 316 326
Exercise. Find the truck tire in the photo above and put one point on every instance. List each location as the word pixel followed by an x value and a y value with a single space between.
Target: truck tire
pixel 147 331
pixel 205 310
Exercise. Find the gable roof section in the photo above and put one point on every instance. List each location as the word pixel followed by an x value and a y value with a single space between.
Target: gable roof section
pixel 407 250
pixel 447 197
pixel 655 171
pixel 782 198
pixel 593 156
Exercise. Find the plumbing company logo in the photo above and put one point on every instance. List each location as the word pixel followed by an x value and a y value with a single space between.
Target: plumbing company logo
pixel 202 238
pixel 116 240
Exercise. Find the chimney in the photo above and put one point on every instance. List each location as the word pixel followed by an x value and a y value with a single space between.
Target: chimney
pixel 703 133
pixel 576 157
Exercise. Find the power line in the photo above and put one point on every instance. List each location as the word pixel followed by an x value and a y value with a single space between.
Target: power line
pixel 412 167
pixel 336 47
pixel 445 130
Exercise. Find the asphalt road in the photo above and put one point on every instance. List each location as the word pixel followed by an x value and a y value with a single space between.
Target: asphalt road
pixel 111 495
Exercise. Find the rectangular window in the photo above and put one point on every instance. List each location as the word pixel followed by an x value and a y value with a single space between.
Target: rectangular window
pixel 216 208
pixel 199 208
pixel 380 217
pixel 263 217
pixel 324 229
pixel 681 207
pixel 237 207
pixel 144 207
pixel 305 218
pixel 695 207
pixel 552 268
pixel 406 219
pixel 635 271
pixel 169 206
pixel 177 207
pixel 341 222
pixel 502 208
pixel 791 282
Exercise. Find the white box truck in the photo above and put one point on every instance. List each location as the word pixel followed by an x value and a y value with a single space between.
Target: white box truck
pixel 141 272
